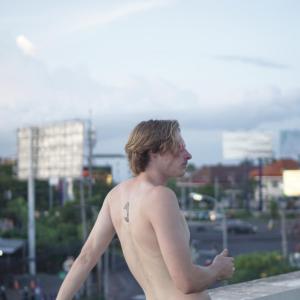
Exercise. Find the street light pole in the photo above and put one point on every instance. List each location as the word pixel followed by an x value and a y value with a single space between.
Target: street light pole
pixel 284 243
pixel 224 221
pixel 224 228
pixel 200 197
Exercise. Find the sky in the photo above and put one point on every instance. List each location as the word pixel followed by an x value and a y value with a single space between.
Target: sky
pixel 215 65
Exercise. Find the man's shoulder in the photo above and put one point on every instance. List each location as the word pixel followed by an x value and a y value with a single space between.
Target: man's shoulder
pixel 120 186
pixel 163 204
pixel 162 196
pixel 162 191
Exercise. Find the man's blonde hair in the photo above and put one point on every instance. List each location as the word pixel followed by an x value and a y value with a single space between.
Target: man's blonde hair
pixel 150 136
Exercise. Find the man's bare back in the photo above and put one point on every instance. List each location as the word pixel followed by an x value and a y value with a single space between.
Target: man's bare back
pixel 145 215
pixel 129 204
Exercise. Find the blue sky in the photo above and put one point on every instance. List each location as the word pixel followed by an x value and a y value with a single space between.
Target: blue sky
pixel 213 65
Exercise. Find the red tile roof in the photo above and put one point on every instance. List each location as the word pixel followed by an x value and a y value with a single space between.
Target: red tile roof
pixel 276 168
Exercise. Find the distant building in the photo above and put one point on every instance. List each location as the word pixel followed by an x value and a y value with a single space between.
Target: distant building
pixel 227 176
pixel 99 173
pixel 290 144
pixel 6 161
pixel 272 183
pixel 231 180
pixel 116 162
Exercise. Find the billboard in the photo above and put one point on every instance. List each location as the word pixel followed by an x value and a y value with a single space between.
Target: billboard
pixel 57 150
pixel 289 143
pixel 291 183
pixel 247 144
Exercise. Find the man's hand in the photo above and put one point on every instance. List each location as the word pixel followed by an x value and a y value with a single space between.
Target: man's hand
pixel 223 264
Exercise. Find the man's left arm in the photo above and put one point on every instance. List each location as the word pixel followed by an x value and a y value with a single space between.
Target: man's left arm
pixel 95 245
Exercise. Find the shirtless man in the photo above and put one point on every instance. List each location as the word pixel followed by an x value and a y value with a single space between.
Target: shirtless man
pixel 145 215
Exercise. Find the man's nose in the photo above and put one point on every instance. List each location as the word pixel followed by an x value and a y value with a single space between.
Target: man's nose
pixel 188 155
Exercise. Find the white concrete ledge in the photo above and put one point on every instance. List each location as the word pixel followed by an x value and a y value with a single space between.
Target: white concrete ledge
pixel 285 286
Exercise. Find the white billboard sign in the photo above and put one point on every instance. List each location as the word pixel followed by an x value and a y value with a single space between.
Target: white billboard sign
pixel 247 144
pixel 57 150
pixel 291 183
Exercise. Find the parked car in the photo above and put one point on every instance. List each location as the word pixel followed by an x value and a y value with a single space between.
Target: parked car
pixel 239 226
pixel 203 215
pixel 196 214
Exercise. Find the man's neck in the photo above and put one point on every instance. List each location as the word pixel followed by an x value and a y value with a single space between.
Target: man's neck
pixel 153 177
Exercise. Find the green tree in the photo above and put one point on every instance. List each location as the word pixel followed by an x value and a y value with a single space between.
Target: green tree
pixel 16 210
pixel 207 189
pixel 10 187
pixel 191 168
pixel 259 265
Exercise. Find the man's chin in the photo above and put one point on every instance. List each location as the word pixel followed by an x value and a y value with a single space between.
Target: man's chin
pixel 181 174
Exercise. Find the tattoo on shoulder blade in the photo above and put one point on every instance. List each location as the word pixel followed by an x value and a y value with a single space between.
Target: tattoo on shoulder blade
pixel 126 207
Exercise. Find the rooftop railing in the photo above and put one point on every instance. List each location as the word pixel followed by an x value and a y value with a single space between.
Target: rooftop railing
pixel 285 286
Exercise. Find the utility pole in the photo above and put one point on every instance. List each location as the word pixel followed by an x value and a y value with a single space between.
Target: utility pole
pixel 31 203
pixel 284 243
pixel 84 227
pixel 260 184
pixel 216 188
pixel 83 210
pixel 50 189
pixel 91 144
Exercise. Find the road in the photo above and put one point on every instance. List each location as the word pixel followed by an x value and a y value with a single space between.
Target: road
pixel 207 237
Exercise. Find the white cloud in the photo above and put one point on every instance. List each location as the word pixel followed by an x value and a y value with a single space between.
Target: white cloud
pixel 114 14
pixel 26 45
pixel 33 95
pixel 256 61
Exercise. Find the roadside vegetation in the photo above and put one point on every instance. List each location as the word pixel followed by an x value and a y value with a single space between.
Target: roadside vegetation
pixel 259 265
pixel 58 229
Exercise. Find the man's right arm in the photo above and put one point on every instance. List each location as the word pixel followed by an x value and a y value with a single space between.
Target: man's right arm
pixel 166 219
pixel 97 242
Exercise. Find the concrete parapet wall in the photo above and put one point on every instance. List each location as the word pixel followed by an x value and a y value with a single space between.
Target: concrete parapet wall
pixel 285 286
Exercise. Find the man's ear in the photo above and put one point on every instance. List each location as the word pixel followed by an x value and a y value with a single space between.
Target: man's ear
pixel 152 155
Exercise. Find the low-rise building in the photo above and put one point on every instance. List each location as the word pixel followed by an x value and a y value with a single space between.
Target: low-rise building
pixel 230 182
pixel 272 181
